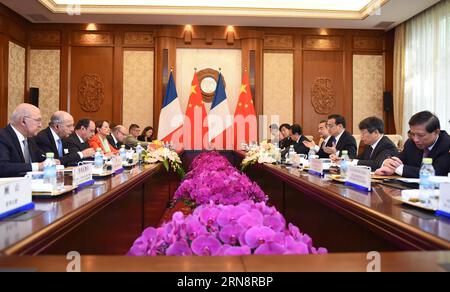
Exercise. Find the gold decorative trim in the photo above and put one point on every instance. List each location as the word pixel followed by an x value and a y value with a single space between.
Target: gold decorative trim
pixel 221 11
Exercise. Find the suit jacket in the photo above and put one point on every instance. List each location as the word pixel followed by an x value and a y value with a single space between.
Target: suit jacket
pixel 74 144
pixel 323 154
pixel 347 142
pixel 298 147
pixel 111 141
pixel 46 143
pixel 95 143
pixel 384 149
pixel 142 138
pixel 285 143
pixel 130 141
pixel 412 157
pixel 12 162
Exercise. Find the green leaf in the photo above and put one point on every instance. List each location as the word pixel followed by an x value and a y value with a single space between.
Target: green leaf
pixel 166 164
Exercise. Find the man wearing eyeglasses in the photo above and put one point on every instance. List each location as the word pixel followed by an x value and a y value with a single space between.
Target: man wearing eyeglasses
pixel 340 138
pixel 427 141
pixel 118 135
pixel 53 139
pixel 78 141
pixel 18 153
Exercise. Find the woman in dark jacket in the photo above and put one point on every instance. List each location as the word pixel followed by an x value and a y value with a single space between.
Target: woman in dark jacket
pixel 147 135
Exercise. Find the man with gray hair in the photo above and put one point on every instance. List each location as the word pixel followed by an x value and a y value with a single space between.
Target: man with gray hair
pixel 117 136
pixel 52 139
pixel 18 153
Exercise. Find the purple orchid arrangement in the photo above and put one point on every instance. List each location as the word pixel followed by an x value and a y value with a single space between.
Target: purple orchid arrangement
pixel 225 230
pixel 213 178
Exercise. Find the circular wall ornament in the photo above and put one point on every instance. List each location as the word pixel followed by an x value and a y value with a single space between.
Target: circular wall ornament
pixel 207 79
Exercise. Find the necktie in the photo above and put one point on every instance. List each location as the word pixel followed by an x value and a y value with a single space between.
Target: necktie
pixel 60 148
pixel 426 153
pixel 370 151
pixel 331 141
pixel 26 152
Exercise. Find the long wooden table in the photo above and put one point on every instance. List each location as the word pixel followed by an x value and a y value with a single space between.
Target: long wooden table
pixel 104 218
pixel 354 262
pixel 343 219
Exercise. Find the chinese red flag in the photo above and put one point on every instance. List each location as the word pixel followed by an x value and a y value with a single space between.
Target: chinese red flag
pixel 245 122
pixel 195 125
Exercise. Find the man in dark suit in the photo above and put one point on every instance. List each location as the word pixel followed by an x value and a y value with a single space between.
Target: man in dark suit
pixel 325 137
pixel 18 153
pixel 428 141
pixel 378 147
pixel 297 140
pixel 117 136
pixel 52 139
pixel 285 130
pixel 78 140
pixel 340 139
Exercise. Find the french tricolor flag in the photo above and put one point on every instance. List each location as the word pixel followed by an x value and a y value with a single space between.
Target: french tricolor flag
pixel 220 120
pixel 170 128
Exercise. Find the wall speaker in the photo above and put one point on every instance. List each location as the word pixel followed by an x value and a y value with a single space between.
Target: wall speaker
pixel 388 101
pixel 34 96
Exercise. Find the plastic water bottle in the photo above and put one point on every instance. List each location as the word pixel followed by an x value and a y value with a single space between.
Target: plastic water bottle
pixel 426 186
pixel 123 153
pixel 98 159
pixel 311 154
pixel 344 164
pixel 50 170
pixel 290 154
pixel 139 152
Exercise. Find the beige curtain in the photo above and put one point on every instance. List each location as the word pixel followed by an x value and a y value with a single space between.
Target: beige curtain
pixel 399 77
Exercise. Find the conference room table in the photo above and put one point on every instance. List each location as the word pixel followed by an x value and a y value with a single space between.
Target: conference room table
pixel 101 222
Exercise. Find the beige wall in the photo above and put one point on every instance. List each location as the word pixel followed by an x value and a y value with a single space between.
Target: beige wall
pixel 138 88
pixel 368 79
pixel 279 87
pixel 16 76
pixel 44 74
pixel 227 59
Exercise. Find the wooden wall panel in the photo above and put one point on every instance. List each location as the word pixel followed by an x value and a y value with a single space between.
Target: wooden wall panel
pixel 44 38
pixel 315 49
pixel 91 92
pixel 323 87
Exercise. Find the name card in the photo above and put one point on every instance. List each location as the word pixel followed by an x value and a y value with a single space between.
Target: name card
pixel 116 162
pixel 82 175
pixel 359 177
pixel 444 200
pixel 15 196
pixel 316 167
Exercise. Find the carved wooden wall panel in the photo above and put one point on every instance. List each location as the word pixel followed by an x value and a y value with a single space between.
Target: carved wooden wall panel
pixel 92 38
pixel 362 43
pixel 322 43
pixel 45 38
pixel 92 83
pixel 278 42
pixel 139 39
pixel 323 88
